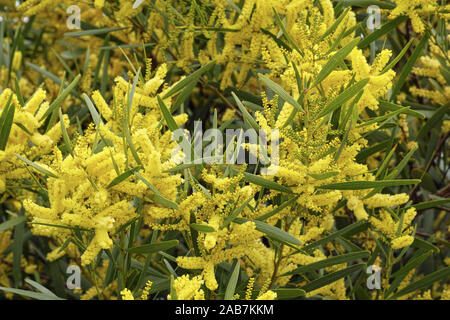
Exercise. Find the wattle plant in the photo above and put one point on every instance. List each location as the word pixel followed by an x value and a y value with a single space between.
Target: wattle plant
pixel 350 200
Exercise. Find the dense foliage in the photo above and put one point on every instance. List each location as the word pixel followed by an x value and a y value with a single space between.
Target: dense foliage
pixel 353 97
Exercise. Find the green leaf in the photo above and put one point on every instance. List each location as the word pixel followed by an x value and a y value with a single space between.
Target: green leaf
pixel 385 162
pixel 403 272
pixel 389 106
pixel 173 292
pixel 153 247
pixel 279 42
pixel 271 231
pixel 412 264
pixel 32 294
pixel 386 144
pixel 46 73
pixel 425 282
pixel 422 244
pixel 288 293
pixel 37 167
pixel 18 93
pixel 94 114
pixel 129 141
pixel 3 57
pixel 343 258
pixel 277 209
pixel 280 91
pixel 252 178
pixel 236 212
pixel 332 277
pixel 131 94
pixel 349 230
pixel 367 3
pixel 398 57
pixel 430 204
pixel 346 95
pixel 334 61
pixel 231 286
pixel 183 96
pixel 65 244
pixel 383 117
pixel 446 74
pixel 128 46
pixel 6 121
pixel 406 70
pixel 433 121
pixel 335 24
pixel 385 29
pixel 358 185
pixel 285 33
pixel 193 77
pixel 93 32
pixel 245 113
pixel 122 177
pixel 252 106
pixel 183 166
pixel 396 171
pixel 344 141
pixel 57 102
pixel 202 227
pixel 40 288
pixel 323 176
pixel 12 223
pixel 167 115
pixel 106 59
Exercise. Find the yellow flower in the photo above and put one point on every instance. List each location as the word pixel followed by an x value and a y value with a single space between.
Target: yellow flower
pixel 126 294
pixel 357 207
pixel 402 242
pixel 188 288
pixel 17 60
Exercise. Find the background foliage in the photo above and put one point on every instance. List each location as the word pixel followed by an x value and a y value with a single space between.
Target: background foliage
pixel 87 179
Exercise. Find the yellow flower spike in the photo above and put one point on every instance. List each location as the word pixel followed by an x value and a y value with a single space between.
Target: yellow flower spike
pixel 81 196
pixel 357 206
pixel 208 275
pixel 99 3
pixel 102 106
pixel 17 60
pixel 415 10
pixel 248 294
pixel 386 225
pixel 188 288
pixel 146 290
pixel 126 294
pixel 410 214
pixel 2 183
pixel 211 237
pixel 268 295
pixel 386 200
pixel 401 242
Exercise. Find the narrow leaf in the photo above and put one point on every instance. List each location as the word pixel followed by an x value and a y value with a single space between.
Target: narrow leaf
pixel 332 277
pixel 357 185
pixel 231 286
pixel 153 247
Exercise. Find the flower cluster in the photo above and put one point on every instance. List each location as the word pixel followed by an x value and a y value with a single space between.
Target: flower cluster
pixel 91 176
